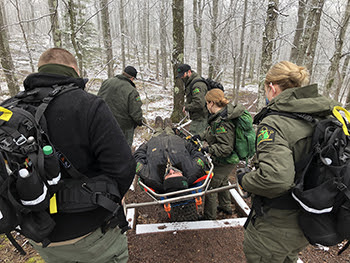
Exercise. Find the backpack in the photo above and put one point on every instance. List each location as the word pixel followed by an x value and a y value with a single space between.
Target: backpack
pixel 245 136
pixel 27 203
pixel 211 84
pixel 244 140
pixel 322 188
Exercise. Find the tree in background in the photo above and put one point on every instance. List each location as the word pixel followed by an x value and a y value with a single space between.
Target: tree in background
pixel 6 58
pixel 198 8
pixel 307 45
pixel 178 57
pixel 107 40
pixel 212 55
pixel 298 31
pixel 335 60
pixel 269 38
pixel 56 33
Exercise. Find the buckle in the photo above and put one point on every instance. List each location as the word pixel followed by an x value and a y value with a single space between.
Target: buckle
pixel 342 187
pixel 20 140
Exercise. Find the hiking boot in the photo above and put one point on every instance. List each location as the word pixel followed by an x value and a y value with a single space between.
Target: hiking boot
pixel 158 123
pixel 168 123
pixel 225 211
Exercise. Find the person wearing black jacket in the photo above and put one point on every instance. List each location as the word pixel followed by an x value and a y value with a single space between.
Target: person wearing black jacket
pixel 81 126
pixel 165 155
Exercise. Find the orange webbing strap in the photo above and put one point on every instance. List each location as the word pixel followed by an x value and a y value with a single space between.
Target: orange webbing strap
pixel 198 201
pixel 167 208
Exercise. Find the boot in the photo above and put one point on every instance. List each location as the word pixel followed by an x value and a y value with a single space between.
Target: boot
pixel 158 123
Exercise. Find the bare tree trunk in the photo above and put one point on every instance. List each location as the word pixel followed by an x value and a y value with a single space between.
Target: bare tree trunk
pixel 212 55
pixel 56 33
pixel 6 58
pixel 178 54
pixel 311 51
pixel 24 35
pixel 198 9
pixel 342 77
pixel 157 65
pixel 298 31
pixel 337 53
pixel 312 22
pixel 241 51
pixel 252 50
pixel 122 32
pixel 269 38
pixel 163 42
pixel 72 22
pixel 107 40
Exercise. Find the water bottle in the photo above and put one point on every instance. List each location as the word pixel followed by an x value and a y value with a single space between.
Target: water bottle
pixel 51 166
pixel 31 190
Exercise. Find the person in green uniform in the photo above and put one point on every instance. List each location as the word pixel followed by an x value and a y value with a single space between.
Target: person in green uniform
pixel 195 98
pixel 124 101
pixel 220 136
pixel 273 234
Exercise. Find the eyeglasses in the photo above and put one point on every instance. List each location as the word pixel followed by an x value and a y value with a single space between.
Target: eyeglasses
pixel 172 168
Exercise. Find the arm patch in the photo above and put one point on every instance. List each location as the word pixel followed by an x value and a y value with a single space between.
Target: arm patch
pixel 265 134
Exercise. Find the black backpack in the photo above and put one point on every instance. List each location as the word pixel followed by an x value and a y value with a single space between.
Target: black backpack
pixel 26 204
pixel 211 84
pixel 322 186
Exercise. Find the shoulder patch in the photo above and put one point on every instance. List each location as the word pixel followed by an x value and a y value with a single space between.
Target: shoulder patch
pixel 220 129
pixel 265 134
pixel 196 90
pixel 138 98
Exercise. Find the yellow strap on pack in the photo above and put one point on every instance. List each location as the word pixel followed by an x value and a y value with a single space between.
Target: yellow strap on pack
pixel 340 118
pixel 6 114
pixel 53 205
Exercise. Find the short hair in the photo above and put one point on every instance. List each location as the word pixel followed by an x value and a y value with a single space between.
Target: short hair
pixel 57 56
pixel 217 96
pixel 287 75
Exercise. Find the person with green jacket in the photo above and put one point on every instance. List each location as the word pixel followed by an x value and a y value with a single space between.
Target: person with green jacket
pixel 220 136
pixel 124 101
pixel 195 98
pixel 273 234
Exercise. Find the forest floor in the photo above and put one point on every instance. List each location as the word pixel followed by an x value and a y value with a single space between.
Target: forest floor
pixel 186 246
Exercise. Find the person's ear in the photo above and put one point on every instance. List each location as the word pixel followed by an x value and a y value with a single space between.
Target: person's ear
pixel 272 88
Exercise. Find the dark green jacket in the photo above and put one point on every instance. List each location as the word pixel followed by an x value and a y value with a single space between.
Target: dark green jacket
pixel 282 141
pixel 124 101
pixel 220 133
pixel 195 98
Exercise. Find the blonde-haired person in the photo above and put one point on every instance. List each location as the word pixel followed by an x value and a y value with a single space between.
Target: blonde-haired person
pixel 220 136
pixel 273 234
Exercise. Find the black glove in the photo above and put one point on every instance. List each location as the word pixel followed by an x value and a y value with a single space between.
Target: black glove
pixel 196 137
pixel 205 149
pixel 240 173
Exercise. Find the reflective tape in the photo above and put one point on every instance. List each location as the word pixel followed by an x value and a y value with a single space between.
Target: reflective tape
pixel 310 209
pixel 37 200
pixel 55 180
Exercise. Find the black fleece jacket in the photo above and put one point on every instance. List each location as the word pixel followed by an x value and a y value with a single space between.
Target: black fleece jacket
pixel 82 127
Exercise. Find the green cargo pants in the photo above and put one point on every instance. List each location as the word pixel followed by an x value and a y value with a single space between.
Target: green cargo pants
pixel 274 238
pixel 220 178
pixel 111 247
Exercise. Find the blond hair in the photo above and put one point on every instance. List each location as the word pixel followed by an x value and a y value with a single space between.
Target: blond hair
pixel 287 75
pixel 217 96
pixel 57 56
